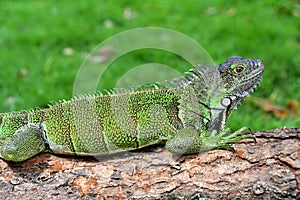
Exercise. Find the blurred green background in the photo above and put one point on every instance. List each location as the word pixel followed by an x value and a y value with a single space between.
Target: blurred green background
pixel 43 43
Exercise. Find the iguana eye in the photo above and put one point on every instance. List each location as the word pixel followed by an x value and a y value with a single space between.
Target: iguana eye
pixel 238 68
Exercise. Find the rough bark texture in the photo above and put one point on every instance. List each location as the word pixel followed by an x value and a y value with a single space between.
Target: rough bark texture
pixel 266 169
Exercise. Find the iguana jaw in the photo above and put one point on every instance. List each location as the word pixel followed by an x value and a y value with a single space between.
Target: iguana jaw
pixel 248 88
pixel 252 81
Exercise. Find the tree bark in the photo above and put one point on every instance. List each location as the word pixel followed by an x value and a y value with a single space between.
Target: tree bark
pixel 267 168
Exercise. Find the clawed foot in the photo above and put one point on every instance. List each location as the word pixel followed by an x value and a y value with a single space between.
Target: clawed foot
pixel 225 138
pixel 188 140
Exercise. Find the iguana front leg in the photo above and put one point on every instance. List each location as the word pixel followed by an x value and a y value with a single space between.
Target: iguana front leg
pixel 24 144
pixel 188 140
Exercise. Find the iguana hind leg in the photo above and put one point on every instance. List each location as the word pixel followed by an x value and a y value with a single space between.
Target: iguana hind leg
pixel 25 143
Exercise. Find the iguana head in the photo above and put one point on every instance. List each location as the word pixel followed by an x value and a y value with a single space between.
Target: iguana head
pixel 240 76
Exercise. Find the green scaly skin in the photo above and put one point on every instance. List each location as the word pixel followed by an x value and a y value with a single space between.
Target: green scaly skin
pixel 188 114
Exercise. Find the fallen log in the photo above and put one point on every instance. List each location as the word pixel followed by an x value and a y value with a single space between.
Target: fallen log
pixel 267 168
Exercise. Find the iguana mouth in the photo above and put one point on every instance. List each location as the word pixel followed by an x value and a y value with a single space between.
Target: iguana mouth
pixel 255 74
pixel 251 82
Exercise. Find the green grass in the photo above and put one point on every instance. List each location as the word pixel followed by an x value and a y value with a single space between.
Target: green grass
pixel 33 35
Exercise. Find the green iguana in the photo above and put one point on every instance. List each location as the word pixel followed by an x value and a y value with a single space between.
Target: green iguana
pixel 188 113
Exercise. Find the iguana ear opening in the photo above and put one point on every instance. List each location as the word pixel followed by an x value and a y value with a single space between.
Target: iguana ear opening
pixel 25 143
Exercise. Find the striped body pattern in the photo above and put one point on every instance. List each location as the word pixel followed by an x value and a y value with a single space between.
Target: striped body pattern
pixel 188 114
